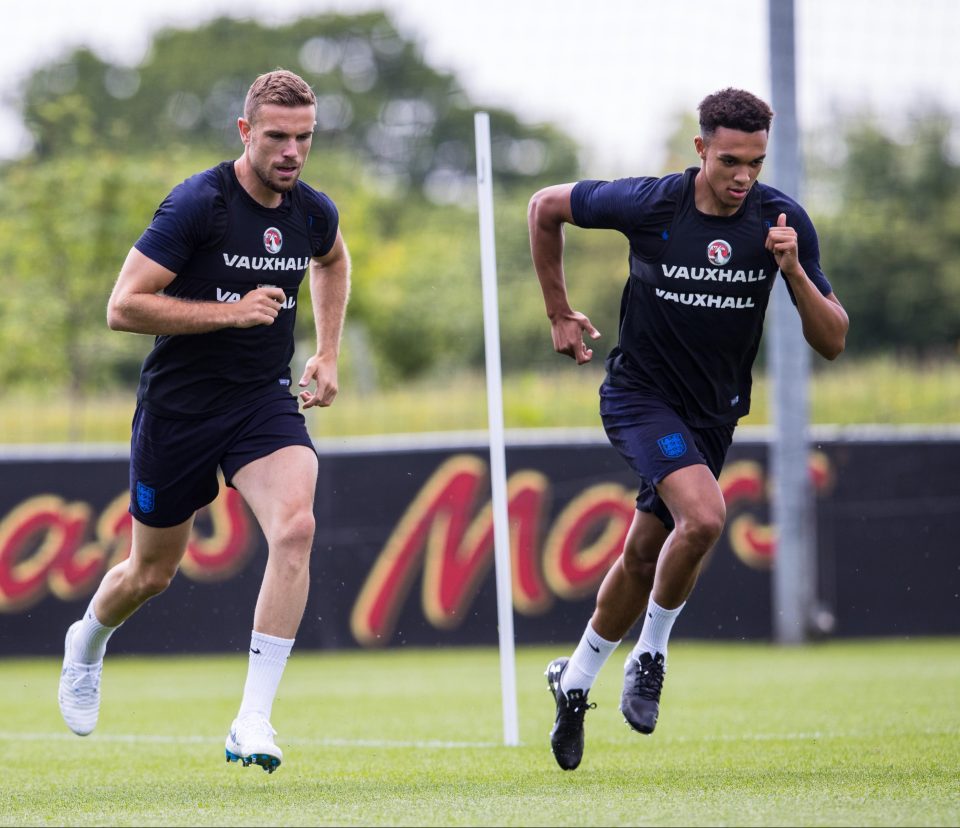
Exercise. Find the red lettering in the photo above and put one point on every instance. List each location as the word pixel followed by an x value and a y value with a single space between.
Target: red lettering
pixel 115 529
pixel 456 552
pixel 226 549
pixel 753 543
pixel 435 514
pixel 45 546
pixel 33 537
pixel 74 575
pixel 586 539
pixel 741 480
pixel 527 495
pixel 456 562
pixel 50 545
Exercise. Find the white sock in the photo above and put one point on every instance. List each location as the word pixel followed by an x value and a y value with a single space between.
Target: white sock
pixel 89 643
pixel 268 657
pixel 591 654
pixel 655 633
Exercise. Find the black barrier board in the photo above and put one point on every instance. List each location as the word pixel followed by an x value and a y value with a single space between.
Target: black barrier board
pixel 404 548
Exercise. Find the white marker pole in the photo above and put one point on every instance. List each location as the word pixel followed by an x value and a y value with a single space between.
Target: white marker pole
pixel 498 463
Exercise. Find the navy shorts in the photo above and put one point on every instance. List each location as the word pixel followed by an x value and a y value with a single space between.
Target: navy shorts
pixel 174 463
pixel 655 441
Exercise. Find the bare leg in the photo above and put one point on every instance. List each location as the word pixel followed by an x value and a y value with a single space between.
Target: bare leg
pixel 279 489
pixel 655 561
pixel 696 504
pixel 626 588
pixel 699 512
pixel 154 559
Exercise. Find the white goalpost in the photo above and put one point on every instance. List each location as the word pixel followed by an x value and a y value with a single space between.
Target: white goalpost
pixel 498 464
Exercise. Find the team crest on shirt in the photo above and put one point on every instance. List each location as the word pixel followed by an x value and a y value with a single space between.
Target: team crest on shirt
pixel 672 445
pixel 272 240
pixel 146 497
pixel 719 252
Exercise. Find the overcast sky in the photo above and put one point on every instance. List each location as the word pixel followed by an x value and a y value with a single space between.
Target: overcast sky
pixel 613 73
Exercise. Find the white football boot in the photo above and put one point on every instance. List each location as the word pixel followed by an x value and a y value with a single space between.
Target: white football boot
pixel 250 741
pixel 79 694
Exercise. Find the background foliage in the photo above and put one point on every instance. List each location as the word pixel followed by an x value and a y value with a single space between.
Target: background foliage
pixel 394 149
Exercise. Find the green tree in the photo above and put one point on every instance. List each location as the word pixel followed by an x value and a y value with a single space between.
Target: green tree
pixel 394 148
pixel 65 228
pixel 376 97
pixel 890 232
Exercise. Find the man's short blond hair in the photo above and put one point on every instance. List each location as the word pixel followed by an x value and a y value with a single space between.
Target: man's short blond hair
pixel 279 87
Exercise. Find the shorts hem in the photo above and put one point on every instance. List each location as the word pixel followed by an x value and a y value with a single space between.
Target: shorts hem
pixel 228 477
pixel 694 461
pixel 157 524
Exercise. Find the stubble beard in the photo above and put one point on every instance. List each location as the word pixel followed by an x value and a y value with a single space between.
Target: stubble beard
pixel 275 186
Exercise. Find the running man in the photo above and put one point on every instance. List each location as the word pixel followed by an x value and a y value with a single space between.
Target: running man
pixel 705 247
pixel 215 278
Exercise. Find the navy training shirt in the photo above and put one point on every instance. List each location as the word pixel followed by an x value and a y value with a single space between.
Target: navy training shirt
pixel 692 310
pixel 222 244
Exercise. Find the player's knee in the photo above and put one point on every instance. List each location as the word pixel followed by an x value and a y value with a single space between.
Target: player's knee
pixel 295 534
pixel 640 557
pixel 302 528
pixel 702 529
pixel 153 581
pixel 637 565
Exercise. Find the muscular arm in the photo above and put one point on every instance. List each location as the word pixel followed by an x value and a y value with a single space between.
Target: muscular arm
pixel 824 321
pixel 329 292
pixel 822 318
pixel 138 306
pixel 548 211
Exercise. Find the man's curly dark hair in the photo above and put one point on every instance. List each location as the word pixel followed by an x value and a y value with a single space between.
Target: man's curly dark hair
pixel 733 109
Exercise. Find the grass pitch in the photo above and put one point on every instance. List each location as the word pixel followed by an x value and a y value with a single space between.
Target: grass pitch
pixel 841 733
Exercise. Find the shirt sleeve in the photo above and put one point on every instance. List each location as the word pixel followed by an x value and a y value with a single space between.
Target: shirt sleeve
pixel 324 220
pixel 809 245
pixel 610 205
pixel 186 220
pixel 640 208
